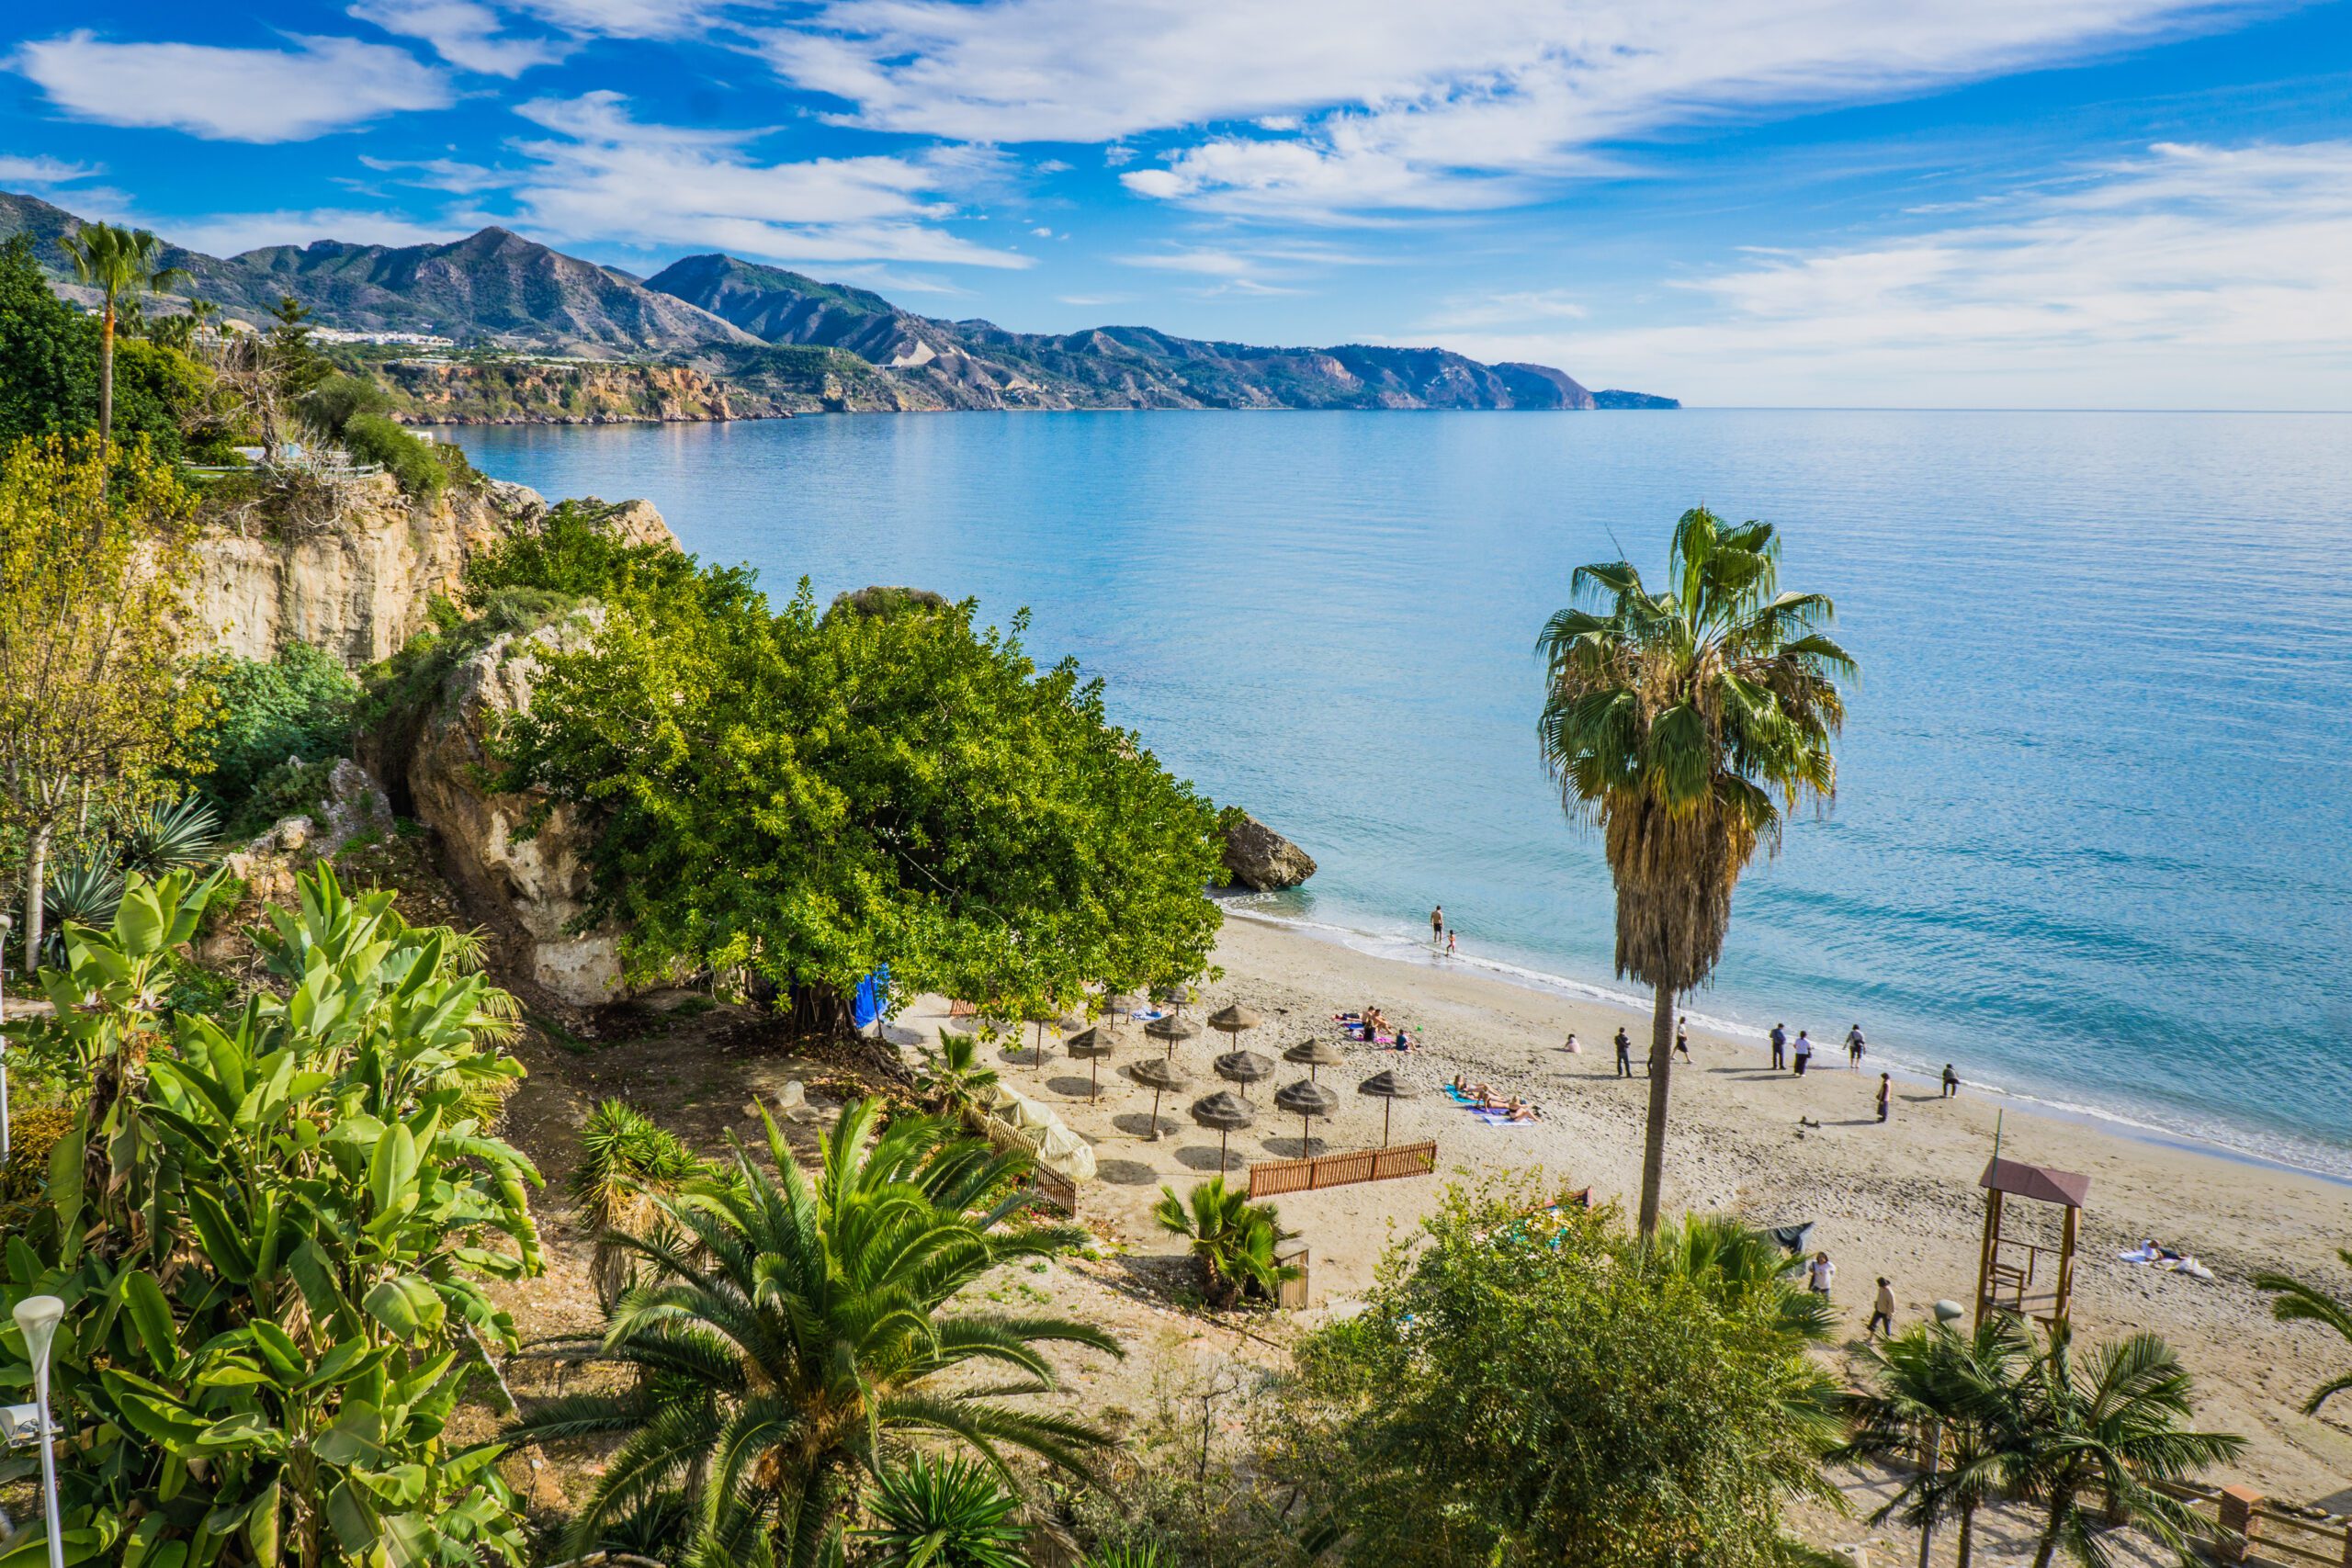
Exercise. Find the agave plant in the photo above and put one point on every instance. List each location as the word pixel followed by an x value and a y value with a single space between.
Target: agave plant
pixel 178 835
pixel 1233 1239
pixel 86 891
pixel 952 1514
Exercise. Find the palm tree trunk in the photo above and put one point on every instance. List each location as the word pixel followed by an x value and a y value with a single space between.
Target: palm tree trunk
pixel 1967 1532
pixel 2061 1502
pixel 1654 1135
pixel 105 379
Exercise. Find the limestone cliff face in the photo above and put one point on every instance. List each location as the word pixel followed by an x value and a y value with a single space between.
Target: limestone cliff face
pixel 529 891
pixel 359 582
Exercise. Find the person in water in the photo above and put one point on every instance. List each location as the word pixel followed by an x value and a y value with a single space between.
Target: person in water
pixel 1854 1048
pixel 1952 1083
pixel 1437 925
pixel 1449 944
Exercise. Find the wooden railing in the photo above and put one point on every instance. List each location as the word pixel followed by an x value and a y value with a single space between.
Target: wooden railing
pixel 2253 1530
pixel 1269 1177
pixel 1049 1185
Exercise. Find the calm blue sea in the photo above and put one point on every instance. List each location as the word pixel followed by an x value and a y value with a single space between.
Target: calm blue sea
pixel 2093 840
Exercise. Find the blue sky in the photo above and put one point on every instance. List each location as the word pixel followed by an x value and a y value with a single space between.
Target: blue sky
pixel 1979 203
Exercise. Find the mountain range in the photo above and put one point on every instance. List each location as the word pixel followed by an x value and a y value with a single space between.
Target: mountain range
pixel 738 320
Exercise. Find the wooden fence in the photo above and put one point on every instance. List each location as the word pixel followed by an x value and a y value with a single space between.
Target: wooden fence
pixel 1269 1177
pixel 1047 1186
pixel 2253 1530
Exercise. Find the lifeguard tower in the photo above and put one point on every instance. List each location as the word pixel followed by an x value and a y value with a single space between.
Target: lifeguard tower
pixel 2021 1272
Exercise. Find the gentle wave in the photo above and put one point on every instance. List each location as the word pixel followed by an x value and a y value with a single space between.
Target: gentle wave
pixel 1401 945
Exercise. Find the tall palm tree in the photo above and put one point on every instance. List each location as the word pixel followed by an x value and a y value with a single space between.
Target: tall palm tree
pixel 121 264
pixel 2298 1303
pixel 1683 723
pixel 2096 1438
pixel 1966 1392
pixel 795 1332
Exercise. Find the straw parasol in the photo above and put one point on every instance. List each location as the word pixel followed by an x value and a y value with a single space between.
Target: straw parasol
pixel 1314 1054
pixel 1119 1004
pixel 1160 1078
pixel 1225 1114
pixel 1233 1021
pixel 1305 1099
pixel 1244 1067
pixel 1388 1088
pixel 1091 1046
pixel 1170 1028
pixel 1170 997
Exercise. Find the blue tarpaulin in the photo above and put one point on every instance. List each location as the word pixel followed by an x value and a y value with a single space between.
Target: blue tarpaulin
pixel 873 997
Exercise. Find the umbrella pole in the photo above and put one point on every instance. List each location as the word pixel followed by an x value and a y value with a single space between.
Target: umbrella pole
pixel 1385 1107
pixel 1305 1144
pixel 1155 1116
pixel 1222 1134
pixel 1094 1080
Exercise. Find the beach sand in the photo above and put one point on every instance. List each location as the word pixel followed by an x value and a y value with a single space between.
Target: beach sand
pixel 1899 1200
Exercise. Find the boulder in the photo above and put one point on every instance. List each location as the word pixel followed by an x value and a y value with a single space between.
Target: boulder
pixel 1261 859
pixel 528 891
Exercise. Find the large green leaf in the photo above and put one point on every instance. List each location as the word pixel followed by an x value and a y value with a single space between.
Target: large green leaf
pixel 407 1305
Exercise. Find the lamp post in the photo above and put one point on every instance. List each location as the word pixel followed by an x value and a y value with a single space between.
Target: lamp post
pixel 37 1318
pixel 1947 1313
pixel 6 925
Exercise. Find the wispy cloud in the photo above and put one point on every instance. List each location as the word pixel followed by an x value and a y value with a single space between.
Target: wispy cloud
pixel 1509 309
pixel 602 175
pixel 318 85
pixel 227 233
pixel 42 172
pixel 2189 276
pixel 469 35
pixel 1356 105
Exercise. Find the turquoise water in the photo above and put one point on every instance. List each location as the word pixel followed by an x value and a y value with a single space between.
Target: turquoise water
pixel 2094 836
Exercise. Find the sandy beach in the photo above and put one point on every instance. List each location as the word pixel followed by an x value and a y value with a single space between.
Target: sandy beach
pixel 1899 1199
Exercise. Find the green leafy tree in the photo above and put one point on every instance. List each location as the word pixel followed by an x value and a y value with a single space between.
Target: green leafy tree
pixel 123 264
pixel 49 370
pixel 795 1331
pixel 2301 1303
pixel 1966 1393
pixel 2096 1438
pixel 271 1231
pixel 1530 1384
pixel 1233 1240
pixel 1683 723
pixel 813 797
pixel 94 596
pixel 297 705
pixel 949 1514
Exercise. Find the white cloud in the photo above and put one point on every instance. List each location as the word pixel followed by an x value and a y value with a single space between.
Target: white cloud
pixel 606 176
pixel 231 95
pixel 2190 277
pixel 45 170
pixel 1504 309
pixel 1401 104
pixel 225 234
pixel 452 174
pixel 467 34
pixel 626 18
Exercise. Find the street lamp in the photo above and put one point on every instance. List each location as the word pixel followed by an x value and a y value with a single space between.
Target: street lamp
pixel 1947 1313
pixel 37 1318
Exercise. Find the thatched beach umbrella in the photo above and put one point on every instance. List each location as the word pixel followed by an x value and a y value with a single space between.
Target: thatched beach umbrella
pixel 1388 1088
pixel 1244 1067
pixel 1160 1078
pixel 1171 998
pixel 1233 1021
pixel 1091 1046
pixel 1118 1005
pixel 1305 1099
pixel 1225 1114
pixel 1170 1030
pixel 1314 1054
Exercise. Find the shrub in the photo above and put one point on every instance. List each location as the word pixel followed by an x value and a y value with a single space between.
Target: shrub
pixel 336 400
pixel 372 438
pixel 298 704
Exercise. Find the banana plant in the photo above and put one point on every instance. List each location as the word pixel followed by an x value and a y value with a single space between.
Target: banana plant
pixel 271 1315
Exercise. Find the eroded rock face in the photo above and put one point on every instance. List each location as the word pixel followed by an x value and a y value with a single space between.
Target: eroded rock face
pixel 1261 859
pixel 528 891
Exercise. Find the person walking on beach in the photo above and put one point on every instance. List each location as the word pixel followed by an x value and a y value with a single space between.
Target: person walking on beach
pixel 1882 1309
pixel 1682 1038
pixel 1854 1048
pixel 1625 1054
pixel 1952 1083
pixel 1780 1048
pixel 1885 1095
pixel 1802 1052
pixel 1820 1274
pixel 1437 925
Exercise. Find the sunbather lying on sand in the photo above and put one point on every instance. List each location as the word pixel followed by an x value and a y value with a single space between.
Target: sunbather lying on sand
pixel 1519 1111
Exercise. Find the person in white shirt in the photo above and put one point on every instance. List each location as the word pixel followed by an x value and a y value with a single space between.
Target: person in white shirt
pixel 1802 1052
pixel 1820 1274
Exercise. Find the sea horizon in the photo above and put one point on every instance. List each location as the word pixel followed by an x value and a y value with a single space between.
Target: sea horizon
pixel 2083 844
